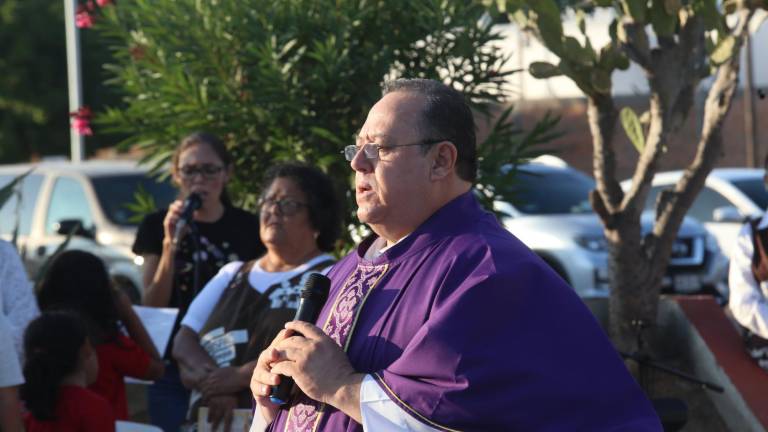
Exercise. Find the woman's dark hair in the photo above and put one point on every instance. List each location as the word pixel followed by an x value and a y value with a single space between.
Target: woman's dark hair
pixel 322 200
pixel 52 345
pixel 215 144
pixel 78 281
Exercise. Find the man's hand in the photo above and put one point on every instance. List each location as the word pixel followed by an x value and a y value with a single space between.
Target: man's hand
pixel 319 367
pixel 220 411
pixel 262 379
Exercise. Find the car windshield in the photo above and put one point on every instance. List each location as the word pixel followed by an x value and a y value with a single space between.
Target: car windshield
pixel 117 193
pixel 755 189
pixel 552 192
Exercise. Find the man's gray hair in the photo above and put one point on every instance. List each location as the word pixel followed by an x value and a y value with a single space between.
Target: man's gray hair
pixel 446 115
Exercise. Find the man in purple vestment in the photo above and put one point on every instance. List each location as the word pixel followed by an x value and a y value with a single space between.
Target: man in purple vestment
pixel 442 320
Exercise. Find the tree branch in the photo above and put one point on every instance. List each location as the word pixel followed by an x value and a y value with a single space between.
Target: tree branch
pixel 709 147
pixel 602 116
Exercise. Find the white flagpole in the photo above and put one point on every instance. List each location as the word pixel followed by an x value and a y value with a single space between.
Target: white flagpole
pixel 74 81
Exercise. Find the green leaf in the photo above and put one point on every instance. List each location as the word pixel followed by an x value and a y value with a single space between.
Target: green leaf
pixel 601 80
pixel 549 23
pixel 664 23
pixel 723 50
pixel 543 70
pixel 576 53
pixel 633 128
pixel 709 14
pixel 635 9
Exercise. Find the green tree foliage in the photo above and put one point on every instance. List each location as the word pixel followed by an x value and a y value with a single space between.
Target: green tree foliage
pixel 294 79
pixel 678 43
pixel 34 109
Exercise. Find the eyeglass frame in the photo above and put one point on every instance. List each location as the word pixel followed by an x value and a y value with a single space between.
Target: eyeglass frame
pixel 213 171
pixel 351 156
pixel 278 204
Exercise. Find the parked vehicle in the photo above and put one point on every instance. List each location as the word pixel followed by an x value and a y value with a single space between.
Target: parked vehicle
pixel 730 196
pixel 552 215
pixel 56 196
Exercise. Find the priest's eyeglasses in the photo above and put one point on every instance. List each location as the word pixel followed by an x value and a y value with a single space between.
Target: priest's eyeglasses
pixel 373 151
pixel 285 206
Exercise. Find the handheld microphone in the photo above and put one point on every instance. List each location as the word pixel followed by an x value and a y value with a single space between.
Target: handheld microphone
pixel 192 203
pixel 313 297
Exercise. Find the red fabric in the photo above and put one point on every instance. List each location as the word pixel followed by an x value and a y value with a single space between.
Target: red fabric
pixel 77 410
pixel 116 361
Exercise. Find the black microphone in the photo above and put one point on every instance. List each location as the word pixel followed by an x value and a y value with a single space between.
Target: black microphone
pixel 192 203
pixel 313 297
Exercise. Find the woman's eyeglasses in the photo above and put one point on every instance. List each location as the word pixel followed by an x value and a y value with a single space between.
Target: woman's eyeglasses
pixel 285 206
pixel 208 171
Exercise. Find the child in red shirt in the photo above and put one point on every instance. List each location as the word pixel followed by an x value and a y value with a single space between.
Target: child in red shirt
pixel 60 362
pixel 78 281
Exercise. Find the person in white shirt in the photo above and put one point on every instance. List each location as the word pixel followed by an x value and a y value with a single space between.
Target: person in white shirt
pixel 748 284
pixel 243 307
pixel 18 300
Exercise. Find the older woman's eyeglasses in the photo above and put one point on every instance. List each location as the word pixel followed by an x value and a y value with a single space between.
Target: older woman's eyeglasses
pixel 285 206
pixel 208 171
pixel 373 151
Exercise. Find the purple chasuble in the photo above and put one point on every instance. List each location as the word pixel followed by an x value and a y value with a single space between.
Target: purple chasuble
pixel 466 329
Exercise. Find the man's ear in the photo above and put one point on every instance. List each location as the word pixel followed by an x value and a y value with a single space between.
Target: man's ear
pixel 444 156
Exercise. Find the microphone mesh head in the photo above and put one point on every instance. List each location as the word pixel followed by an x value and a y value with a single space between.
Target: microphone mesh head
pixel 195 202
pixel 317 286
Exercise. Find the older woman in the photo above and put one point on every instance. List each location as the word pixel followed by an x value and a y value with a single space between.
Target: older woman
pixel 245 305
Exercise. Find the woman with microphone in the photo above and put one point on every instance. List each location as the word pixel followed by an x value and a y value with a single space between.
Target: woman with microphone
pixel 179 262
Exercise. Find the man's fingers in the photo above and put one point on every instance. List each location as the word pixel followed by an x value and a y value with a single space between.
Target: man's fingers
pixel 286 368
pixel 309 331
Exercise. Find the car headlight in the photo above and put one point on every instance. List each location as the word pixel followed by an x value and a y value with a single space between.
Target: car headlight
pixel 593 243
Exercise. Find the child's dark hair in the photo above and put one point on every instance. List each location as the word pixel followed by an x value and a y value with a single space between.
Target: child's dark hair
pixel 52 345
pixel 78 281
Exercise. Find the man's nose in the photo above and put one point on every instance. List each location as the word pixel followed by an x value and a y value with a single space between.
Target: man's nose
pixel 361 162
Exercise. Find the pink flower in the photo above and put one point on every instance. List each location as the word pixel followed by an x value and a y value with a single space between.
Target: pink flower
pixel 83 19
pixel 81 121
pixel 103 3
pixel 82 126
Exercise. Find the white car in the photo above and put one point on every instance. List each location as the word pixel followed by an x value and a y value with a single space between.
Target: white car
pixel 58 195
pixel 552 216
pixel 729 197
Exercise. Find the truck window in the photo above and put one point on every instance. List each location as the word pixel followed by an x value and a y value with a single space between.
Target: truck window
pixel 19 211
pixel 68 201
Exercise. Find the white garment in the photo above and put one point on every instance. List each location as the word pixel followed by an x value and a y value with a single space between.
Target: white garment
pixel 17 300
pixel 748 299
pixel 380 413
pixel 202 306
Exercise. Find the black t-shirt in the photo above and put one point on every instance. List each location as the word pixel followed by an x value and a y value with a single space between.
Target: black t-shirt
pixel 234 237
